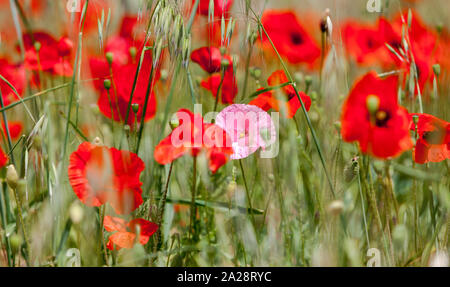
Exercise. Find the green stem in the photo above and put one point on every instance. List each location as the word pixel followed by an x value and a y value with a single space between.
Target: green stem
pixel 193 192
pixel 247 192
pixel 308 120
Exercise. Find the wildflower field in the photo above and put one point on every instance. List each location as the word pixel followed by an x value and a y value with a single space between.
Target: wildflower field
pixel 224 133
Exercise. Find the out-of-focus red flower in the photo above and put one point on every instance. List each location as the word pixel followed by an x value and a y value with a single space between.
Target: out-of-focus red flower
pixel 15 75
pixel 221 7
pixel 126 52
pixel 210 59
pixel 3 158
pixel 371 115
pixel 93 14
pixel 15 129
pixel 37 6
pixel 268 100
pixel 289 37
pixel 125 233
pixel 433 143
pixel 366 43
pixel 52 55
pixel 99 174
pixel 195 136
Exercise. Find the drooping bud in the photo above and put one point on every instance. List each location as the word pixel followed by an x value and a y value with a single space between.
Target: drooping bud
pixel 373 104
pixel 12 178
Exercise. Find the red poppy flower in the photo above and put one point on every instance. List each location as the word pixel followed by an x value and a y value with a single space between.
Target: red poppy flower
pixel 195 136
pixel 221 7
pixel 371 115
pixel 15 75
pixel 268 100
pixel 15 129
pixel 52 56
pixel 123 69
pixel 210 59
pixel 433 143
pixel 125 233
pixel 99 174
pixel 366 43
pixel 290 38
pixel 3 158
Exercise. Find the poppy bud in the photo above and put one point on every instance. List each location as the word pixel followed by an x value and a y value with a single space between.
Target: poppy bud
pixel 109 57
pixel 308 81
pixel 338 126
pixel 135 108
pixel 314 96
pixel 225 63
pixel 223 50
pixel 65 46
pixel 298 77
pixel 415 119
pixel 256 73
pixel 12 178
pixel 16 241
pixel 133 52
pixel 37 46
pixel 439 27
pixel 437 70
pixel 373 103
pixel 107 84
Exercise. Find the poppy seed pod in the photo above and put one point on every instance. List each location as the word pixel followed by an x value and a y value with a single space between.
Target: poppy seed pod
pixel 135 108
pixel 12 178
pixel 373 103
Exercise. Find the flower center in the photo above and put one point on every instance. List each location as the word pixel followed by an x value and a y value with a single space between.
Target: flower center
pixel 296 39
pixel 381 118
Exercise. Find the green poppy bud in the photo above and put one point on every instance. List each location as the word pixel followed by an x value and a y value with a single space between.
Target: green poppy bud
pixel 109 57
pixel 107 84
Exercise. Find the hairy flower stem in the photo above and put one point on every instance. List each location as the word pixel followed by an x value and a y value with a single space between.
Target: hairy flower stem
pixel 247 67
pixel 162 208
pixel 193 192
pixel 247 192
pixel 6 125
pixel 4 224
pixel 305 112
pixel 374 205
pixel 144 109
pixel 363 208
pixel 22 224
pixel 219 89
